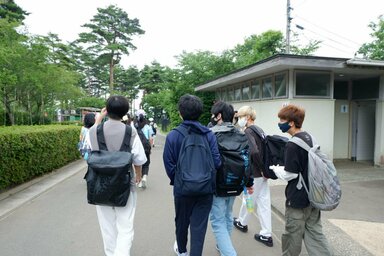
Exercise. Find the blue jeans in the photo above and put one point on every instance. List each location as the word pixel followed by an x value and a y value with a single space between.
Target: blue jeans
pixel 222 223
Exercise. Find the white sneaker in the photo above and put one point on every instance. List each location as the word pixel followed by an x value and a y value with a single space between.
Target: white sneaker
pixel 177 250
pixel 144 181
pixel 140 184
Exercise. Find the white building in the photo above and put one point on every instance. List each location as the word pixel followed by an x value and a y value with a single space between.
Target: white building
pixel 343 99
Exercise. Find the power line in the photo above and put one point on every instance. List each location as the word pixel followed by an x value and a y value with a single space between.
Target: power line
pixel 325 37
pixel 347 39
pixel 331 46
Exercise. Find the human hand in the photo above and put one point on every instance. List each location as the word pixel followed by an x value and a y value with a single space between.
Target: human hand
pixel 250 190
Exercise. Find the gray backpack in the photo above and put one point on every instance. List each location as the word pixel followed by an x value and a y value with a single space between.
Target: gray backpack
pixel 324 191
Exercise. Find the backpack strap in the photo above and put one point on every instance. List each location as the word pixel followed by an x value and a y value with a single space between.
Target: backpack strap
pixel 100 137
pixel 301 143
pixel 258 131
pixel 125 146
pixel 183 130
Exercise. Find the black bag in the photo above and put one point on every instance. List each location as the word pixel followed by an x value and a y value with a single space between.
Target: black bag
pixel 109 172
pixel 195 170
pixel 234 171
pixel 146 145
pixel 273 150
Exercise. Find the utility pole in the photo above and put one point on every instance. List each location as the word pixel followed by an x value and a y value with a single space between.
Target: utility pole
pixel 288 32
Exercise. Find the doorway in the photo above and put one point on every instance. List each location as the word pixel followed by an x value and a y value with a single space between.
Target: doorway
pixel 363 130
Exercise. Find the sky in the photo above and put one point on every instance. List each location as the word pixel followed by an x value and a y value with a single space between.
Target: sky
pixel 174 26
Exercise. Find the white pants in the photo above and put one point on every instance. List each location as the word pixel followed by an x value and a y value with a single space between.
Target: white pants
pixel 262 199
pixel 116 224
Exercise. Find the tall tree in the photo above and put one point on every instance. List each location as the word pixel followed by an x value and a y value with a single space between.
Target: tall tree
pixel 11 11
pixel 375 49
pixel 110 36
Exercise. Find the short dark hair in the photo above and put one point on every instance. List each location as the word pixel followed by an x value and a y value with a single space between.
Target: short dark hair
pixel 190 107
pixel 117 107
pixel 89 120
pixel 226 110
pixel 292 113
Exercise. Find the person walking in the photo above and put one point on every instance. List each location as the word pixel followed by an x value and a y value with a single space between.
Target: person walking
pixel 261 193
pixel 142 124
pixel 302 221
pixel 221 214
pixel 191 211
pixel 116 223
pixel 83 145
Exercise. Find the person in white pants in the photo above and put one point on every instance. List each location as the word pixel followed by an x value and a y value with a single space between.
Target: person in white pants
pixel 261 195
pixel 116 223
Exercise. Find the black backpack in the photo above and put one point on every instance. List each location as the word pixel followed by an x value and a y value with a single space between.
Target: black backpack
pixel 195 170
pixel 109 172
pixel 273 150
pixel 146 145
pixel 234 171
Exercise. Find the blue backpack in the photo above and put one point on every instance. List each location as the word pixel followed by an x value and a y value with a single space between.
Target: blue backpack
pixel 195 170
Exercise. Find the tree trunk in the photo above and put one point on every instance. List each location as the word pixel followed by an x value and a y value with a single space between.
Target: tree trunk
pixel 111 74
pixel 9 115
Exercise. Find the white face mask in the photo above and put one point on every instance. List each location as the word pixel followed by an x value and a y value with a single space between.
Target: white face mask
pixel 242 122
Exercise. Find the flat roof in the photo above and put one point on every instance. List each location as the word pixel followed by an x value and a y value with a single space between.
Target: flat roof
pixel 282 62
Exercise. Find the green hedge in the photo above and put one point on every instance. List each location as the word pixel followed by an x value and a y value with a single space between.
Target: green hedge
pixel 30 151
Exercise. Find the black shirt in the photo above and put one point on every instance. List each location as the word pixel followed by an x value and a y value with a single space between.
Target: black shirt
pixel 296 161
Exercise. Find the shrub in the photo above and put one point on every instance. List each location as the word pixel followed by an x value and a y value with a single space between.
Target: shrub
pixel 30 151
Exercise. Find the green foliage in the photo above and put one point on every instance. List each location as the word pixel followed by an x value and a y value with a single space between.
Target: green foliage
pixel 110 37
pixel 375 49
pixel 31 151
pixel 10 11
pixel 93 102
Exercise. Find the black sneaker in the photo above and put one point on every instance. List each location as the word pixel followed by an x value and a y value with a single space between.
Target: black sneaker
pixel 240 227
pixel 264 239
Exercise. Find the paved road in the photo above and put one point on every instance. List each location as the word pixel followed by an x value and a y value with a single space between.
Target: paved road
pixel 59 222
pixel 50 216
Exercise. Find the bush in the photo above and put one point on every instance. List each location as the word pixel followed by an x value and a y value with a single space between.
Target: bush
pixel 30 151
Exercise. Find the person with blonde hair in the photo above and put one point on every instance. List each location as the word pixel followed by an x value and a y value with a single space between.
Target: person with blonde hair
pixel 261 196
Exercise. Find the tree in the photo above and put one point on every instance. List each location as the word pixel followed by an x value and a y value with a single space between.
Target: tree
pixel 375 49
pixel 110 37
pixel 257 47
pixel 11 11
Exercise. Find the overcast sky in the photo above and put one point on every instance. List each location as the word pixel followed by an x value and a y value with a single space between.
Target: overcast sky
pixel 172 26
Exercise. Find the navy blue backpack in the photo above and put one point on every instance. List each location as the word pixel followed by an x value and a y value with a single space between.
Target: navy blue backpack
pixel 195 170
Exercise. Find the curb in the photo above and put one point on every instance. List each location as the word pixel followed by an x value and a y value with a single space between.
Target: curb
pixel 14 198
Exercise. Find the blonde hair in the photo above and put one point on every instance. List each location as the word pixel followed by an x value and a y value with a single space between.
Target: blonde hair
pixel 247 111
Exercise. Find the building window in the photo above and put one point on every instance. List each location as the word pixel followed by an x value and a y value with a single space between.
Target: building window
pixel 255 89
pixel 238 93
pixel 246 92
pixel 266 88
pixel 224 95
pixel 231 95
pixel 313 83
pixel 281 85
pixel 366 88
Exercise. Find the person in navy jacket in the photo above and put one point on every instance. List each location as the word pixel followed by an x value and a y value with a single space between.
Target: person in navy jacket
pixel 191 211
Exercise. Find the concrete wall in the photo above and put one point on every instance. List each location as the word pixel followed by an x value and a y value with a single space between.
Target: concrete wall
pixel 319 118
pixel 341 145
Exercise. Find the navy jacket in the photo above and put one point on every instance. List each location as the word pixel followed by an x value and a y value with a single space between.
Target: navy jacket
pixel 173 144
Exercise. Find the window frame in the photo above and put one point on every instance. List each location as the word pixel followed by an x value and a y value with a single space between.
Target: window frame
pixel 312 72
